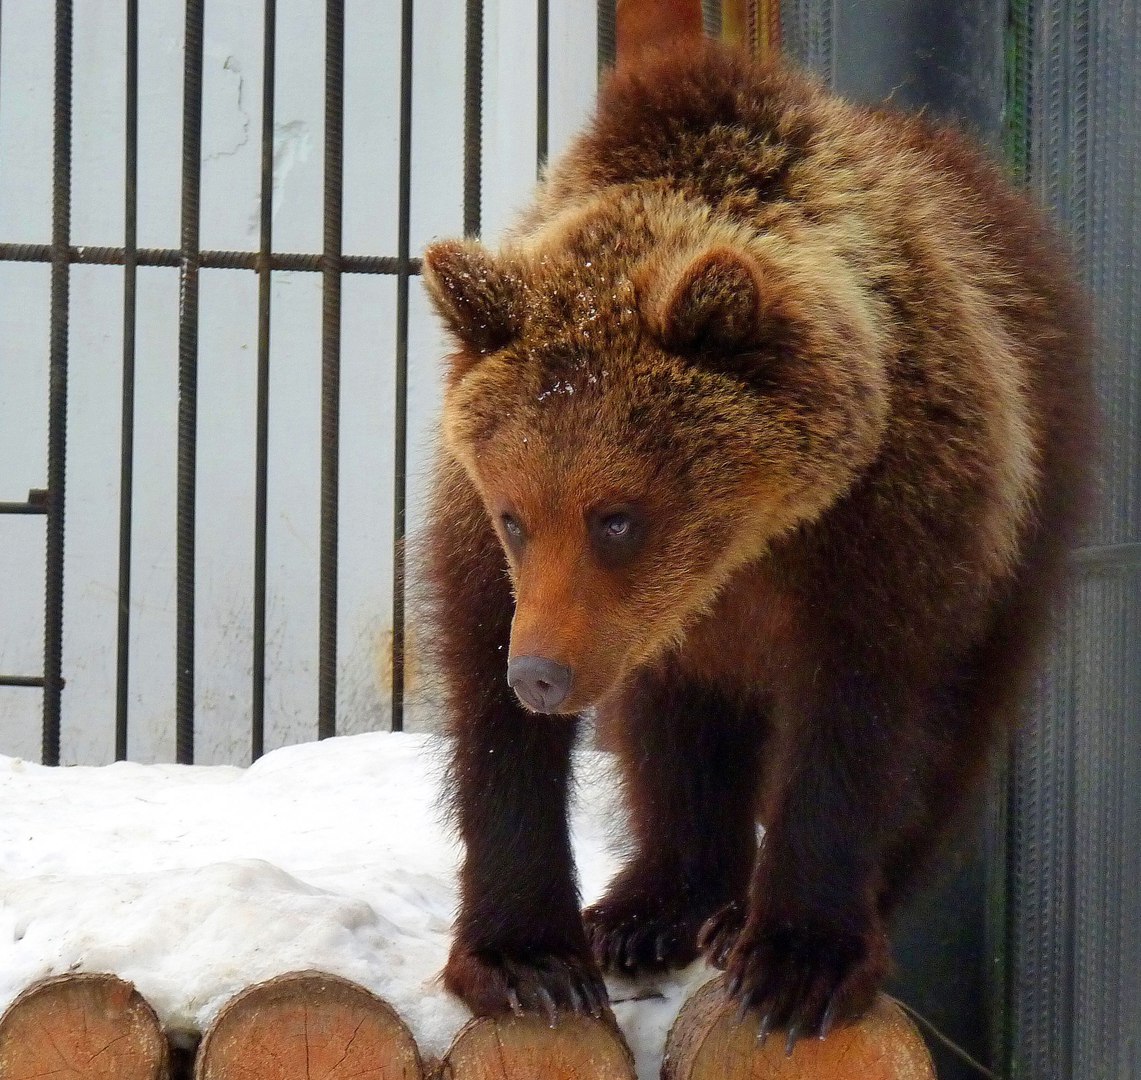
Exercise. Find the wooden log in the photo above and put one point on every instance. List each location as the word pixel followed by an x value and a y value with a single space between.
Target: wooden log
pixel 527 1047
pixel 707 1043
pixel 307 1024
pixel 82 1027
pixel 648 24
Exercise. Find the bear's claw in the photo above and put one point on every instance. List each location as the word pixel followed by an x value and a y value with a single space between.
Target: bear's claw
pixel 719 934
pixel 798 979
pixel 628 936
pixel 493 983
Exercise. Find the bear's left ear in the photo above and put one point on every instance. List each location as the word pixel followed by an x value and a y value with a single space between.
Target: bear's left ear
pixel 721 300
pixel 478 299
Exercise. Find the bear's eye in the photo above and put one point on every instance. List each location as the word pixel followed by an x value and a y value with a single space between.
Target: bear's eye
pixel 616 526
pixel 617 533
pixel 512 528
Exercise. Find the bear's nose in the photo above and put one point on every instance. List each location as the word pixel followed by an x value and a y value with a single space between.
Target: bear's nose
pixel 540 683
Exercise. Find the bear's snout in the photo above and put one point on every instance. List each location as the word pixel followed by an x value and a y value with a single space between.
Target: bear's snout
pixel 541 684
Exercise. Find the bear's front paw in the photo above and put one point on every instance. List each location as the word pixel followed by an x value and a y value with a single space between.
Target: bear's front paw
pixel 492 983
pixel 801 976
pixel 632 933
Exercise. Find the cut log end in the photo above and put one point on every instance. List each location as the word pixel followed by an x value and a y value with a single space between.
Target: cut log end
pixel 83 1027
pixel 307 1024
pixel 707 1042
pixel 522 1048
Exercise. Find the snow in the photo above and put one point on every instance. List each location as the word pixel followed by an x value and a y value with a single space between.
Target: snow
pixel 194 882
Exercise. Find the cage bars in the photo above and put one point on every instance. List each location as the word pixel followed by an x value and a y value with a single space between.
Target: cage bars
pixel 57 392
pixel 542 85
pixel 127 416
pixel 400 434
pixel 607 34
pixel 208 259
pixel 331 366
pixel 261 463
pixel 190 259
pixel 473 115
pixel 188 382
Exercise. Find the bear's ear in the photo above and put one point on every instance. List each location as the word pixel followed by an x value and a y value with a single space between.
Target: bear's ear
pixel 478 300
pixel 720 300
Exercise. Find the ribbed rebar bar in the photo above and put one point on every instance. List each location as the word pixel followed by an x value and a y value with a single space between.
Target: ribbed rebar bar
pixel 331 366
pixel 84 255
pixel 57 390
pixel 261 467
pixel 473 116
pixel 127 411
pixel 400 447
pixel 188 382
pixel 543 85
pixel 607 34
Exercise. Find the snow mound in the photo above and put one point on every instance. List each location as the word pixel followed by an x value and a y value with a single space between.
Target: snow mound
pixel 197 881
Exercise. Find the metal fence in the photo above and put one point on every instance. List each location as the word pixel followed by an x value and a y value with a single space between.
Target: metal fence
pixel 1053 955
pixel 331 264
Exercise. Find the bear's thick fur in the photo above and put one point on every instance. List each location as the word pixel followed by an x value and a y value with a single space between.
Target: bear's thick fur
pixel 765 435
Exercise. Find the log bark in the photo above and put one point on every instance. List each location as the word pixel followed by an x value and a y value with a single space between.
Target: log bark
pixel 307 1024
pixel 524 1048
pixel 82 1027
pixel 707 1043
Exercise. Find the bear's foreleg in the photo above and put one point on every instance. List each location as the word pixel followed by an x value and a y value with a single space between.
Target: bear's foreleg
pixel 519 942
pixel 691 767
pixel 810 945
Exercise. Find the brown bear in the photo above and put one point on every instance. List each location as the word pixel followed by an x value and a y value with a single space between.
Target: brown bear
pixel 765 434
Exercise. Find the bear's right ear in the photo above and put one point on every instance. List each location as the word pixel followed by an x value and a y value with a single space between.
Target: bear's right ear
pixel 719 300
pixel 478 300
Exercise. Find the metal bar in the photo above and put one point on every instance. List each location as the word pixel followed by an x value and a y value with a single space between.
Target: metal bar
pixel 269 53
pixel 473 116
pixel 1109 557
pixel 210 260
pixel 710 17
pixel 400 452
pixel 607 34
pixel 127 423
pixel 331 366
pixel 1019 48
pixel 57 393
pixel 35 682
pixel 36 503
pixel 22 508
pixel 188 380
pixel 543 84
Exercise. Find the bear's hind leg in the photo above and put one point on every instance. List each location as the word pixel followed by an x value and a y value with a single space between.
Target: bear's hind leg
pixel 691 766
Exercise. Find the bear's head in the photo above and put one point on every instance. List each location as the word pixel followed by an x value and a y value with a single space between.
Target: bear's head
pixel 644 398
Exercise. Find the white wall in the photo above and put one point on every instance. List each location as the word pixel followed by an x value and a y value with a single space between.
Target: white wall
pixel 227 358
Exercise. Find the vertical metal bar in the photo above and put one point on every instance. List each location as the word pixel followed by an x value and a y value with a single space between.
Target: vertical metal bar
pixel 543 84
pixel 607 33
pixel 711 17
pixel 473 116
pixel 188 379
pixel 1017 104
pixel 57 390
pixel 127 422
pixel 400 450
pixel 265 248
pixel 331 366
